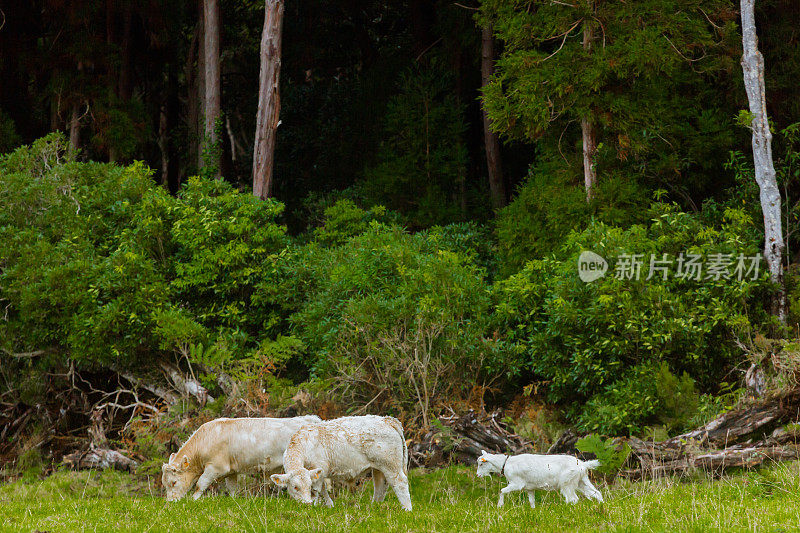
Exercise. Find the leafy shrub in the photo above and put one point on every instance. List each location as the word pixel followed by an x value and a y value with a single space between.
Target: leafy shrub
pixel 395 320
pixel 551 204
pixel 581 337
pixel 610 456
pixel 649 394
pixel 344 220
pixel 101 263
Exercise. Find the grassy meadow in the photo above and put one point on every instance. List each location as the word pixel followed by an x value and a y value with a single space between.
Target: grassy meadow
pixel 452 499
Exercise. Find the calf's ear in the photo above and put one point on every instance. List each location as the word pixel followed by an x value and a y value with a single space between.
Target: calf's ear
pixel 315 474
pixel 171 457
pixel 184 463
pixel 280 479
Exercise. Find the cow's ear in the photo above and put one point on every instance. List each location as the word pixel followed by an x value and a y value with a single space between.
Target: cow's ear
pixel 483 452
pixel 171 457
pixel 315 474
pixel 280 479
pixel 184 463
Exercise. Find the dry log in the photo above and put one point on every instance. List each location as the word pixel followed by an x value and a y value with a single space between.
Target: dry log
pixel 743 438
pixel 461 439
pixel 99 458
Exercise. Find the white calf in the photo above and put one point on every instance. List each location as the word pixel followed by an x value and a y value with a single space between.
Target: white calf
pixel 529 472
pixel 225 447
pixel 344 449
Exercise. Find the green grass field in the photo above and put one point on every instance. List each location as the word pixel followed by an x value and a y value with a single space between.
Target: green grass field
pixel 453 499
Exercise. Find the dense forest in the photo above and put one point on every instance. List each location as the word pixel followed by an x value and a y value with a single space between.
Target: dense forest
pixel 365 206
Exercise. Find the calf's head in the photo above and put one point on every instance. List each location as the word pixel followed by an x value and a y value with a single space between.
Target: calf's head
pixel 486 464
pixel 298 483
pixel 176 478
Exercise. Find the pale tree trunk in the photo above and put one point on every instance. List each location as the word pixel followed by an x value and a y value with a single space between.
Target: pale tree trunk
pixel 211 100
pixel 753 69
pixel 491 142
pixel 587 131
pixel 269 103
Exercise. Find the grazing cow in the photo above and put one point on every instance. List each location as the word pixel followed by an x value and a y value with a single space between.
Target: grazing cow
pixel 344 449
pixel 528 472
pixel 225 447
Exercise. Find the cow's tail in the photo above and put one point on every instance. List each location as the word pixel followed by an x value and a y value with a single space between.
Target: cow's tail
pixel 398 427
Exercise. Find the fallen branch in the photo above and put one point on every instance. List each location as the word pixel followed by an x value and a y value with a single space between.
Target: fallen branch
pixel 162 392
pixel 99 458
pixel 461 439
pixel 186 385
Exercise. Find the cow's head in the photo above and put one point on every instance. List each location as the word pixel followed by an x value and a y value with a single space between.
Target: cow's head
pixel 486 466
pixel 298 483
pixel 176 478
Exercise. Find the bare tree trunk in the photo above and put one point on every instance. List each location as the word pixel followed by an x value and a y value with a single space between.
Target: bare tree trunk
pixel 194 96
pixel 125 85
pixel 74 131
pixel 163 145
pixel 269 103
pixel 588 133
pixel 491 142
pixel 211 104
pixel 753 69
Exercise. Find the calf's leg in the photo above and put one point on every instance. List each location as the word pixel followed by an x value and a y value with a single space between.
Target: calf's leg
pixel 511 487
pixel 569 494
pixel 586 487
pixel 532 498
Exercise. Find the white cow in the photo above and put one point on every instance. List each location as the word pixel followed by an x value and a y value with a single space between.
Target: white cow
pixel 226 447
pixel 529 472
pixel 344 449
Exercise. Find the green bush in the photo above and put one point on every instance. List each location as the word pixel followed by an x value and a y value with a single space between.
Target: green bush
pixel 551 204
pixel 394 320
pixel 610 456
pixel 579 338
pixel 647 395
pixel 104 265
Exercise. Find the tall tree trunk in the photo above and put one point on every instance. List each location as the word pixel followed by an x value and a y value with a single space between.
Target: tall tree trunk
pixel 588 133
pixel 163 145
pixel 74 131
pixel 194 95
pixel 269 103
pixel 491 142
pixel 753 69
pixel 211 103
pixel 125 86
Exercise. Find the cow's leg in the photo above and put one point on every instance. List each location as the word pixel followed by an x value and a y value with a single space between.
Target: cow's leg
pixel 399 484
pixel 590 490
pixel 210 475
pixel 511 487
pixel 379 480
pixel 532 498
